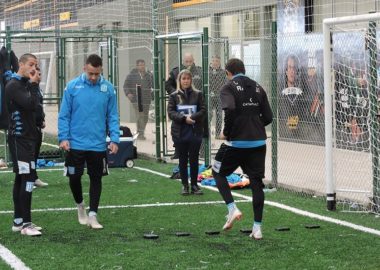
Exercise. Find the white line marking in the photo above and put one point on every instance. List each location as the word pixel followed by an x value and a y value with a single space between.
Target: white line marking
pixel 39 170
pixel 52 145
pixel 288 208
pixel 9 258
pixel 127 206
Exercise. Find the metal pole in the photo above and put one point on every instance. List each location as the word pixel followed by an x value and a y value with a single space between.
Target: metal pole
pixel 156 87
pixel 156 77
pixel 8 45
pixel 162 59
pixel 330 182
pixel 374 110
pixel 274 106
pixel 205 61
pixel 110 59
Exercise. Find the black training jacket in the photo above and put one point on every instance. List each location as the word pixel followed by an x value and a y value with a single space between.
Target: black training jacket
pixel 22 100
pixel 246 109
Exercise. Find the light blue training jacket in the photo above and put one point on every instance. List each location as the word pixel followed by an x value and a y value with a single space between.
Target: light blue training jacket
pixel 87 112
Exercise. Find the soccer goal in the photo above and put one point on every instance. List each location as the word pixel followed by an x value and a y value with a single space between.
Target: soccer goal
pixel 351 66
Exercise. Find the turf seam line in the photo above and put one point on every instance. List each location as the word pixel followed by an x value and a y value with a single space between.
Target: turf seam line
pixel 287 208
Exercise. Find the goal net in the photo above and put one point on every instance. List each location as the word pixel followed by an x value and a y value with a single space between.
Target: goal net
pixel 352 146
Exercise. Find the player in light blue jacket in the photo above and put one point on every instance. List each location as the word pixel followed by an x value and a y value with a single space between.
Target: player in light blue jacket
pixel 88 113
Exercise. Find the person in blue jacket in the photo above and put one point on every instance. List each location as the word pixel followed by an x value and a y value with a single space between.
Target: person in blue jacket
pixel 88 113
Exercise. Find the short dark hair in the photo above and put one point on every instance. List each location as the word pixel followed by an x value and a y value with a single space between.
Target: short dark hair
pixel 25 57
pixel 138 61
pixel 235 66
pixel 94 60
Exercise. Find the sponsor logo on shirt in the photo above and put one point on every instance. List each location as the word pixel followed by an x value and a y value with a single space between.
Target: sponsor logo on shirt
pixel 250 103
pixel 103 88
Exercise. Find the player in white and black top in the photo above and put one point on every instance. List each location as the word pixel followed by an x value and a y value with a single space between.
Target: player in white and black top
pixel 247 112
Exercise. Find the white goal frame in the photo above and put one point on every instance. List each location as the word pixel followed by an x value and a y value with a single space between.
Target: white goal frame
pixel 328 97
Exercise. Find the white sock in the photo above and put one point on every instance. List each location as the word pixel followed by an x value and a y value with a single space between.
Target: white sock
pixel 91 214
pixel 17 221
pixel 256 226
pixel 231 207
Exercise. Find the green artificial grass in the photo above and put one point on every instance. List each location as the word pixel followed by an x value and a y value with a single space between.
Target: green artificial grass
pixel 65 244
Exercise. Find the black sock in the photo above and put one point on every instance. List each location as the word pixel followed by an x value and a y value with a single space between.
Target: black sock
pixel 76 188
pixel 95 192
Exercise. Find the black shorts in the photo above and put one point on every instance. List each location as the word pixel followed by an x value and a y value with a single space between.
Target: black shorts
pixel 22 153
pixel 251 160
pixel 96 163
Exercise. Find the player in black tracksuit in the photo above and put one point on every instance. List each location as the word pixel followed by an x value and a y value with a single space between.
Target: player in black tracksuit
pixel 247 112
pixel 22 101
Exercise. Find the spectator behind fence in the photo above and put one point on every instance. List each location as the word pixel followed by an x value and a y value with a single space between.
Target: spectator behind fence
pixel 196 72
pixel 217 78
pixel 140 77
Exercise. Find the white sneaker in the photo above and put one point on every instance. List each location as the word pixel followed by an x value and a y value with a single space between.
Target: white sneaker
pixel 93 223
pixel 39 183
pixel 256 234
pixel 30 231
pixel 19 228
pixel 82 215
pixel 3 164
pixel 231 217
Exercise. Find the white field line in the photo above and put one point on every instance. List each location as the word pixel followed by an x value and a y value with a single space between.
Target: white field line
pixel 126 206
pixel 49 144
pixel 288 208
pixel 9 258
pixel 39 170
pixel 52 145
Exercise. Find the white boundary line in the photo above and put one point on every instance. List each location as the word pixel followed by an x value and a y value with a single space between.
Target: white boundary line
pixel 52 145
pixel 9 258
pixel 126 206
pixel 39 170
pixel 288 208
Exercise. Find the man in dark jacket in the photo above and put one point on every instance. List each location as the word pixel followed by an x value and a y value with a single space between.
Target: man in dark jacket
pixel 217 78
pixel 22 101
pixel 247 112
pixel 188 63
pixel 140 78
